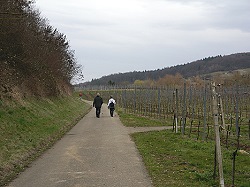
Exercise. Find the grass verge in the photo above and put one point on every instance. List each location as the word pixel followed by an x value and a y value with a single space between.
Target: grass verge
pixel 133 120
pixel 28 129
pixel 175 160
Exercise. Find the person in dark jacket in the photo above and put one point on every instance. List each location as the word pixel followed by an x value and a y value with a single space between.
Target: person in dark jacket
pixel 98 104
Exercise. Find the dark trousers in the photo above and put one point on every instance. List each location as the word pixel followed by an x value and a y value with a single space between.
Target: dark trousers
pixel 112 112
pixel 97 112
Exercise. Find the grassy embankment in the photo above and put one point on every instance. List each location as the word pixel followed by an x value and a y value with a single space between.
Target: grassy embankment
pixel 28 128
pixel 176 160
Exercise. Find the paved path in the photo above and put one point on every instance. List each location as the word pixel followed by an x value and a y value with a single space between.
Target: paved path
pixel 96 152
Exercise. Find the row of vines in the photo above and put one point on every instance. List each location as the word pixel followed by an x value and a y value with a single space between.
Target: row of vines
pixel 187 108
pixel 190 110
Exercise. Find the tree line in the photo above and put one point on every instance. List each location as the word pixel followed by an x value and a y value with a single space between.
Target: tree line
pixel 35 58
pixel 195 70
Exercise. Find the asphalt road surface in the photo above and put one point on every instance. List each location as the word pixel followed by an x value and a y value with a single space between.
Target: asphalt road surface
pixel 96 152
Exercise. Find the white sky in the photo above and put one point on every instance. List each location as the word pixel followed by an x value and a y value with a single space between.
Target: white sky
pixel 116 36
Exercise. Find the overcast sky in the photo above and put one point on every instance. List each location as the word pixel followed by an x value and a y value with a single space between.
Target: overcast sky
pixel 116 36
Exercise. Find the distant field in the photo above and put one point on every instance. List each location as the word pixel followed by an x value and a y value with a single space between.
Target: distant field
pixel 228 74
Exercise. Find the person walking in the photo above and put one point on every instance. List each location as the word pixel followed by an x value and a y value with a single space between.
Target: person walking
pixel 98 104
pixel 111 105
pixel 80 95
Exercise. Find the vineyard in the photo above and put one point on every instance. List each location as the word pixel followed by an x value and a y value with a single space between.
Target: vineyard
pixel 193 111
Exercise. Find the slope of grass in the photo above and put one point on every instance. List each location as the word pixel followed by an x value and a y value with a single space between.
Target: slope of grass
pixel 176 160
pixel 27 129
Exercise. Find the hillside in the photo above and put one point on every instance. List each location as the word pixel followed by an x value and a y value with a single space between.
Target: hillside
pixel 29 128
pixel 197 68
pixel 35 58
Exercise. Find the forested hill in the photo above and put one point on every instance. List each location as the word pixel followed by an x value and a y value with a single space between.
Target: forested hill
pixel 199 67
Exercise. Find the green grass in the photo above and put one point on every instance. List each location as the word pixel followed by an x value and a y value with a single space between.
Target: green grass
pixel 27 129
pixel 175 160
pixel 133 120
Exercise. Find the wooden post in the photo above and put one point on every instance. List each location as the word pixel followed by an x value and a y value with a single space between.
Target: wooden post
pixel 237 112
pixel 125 100
pixel 222 114
pixel 176 116
pixel 204 113
pixel 159 102
pixel 233 165
pixel 249 129
pixel 217 135
pixel 184 108
pixel 135 104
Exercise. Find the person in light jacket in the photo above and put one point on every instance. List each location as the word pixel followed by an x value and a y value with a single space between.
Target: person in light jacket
pixel 111 105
